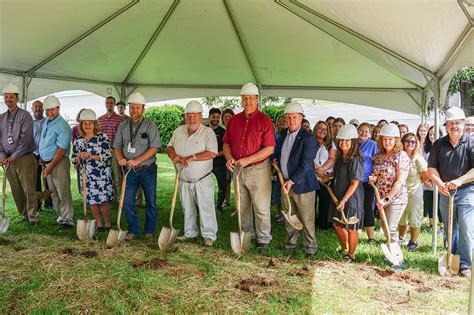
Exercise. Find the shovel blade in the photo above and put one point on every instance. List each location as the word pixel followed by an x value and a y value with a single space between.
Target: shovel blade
pixel 81 230
pixel 121 236
pixel 112 238
pixel 235 243
pixel 164 238
pixel 91 224
pixel 245 240
pixel 389 255
pixel 293 221
pixel 240 242
pixel 4 224
pixel 448 268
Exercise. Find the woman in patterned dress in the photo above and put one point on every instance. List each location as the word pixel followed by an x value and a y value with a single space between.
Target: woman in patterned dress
pixel 92 150
pixel 391 167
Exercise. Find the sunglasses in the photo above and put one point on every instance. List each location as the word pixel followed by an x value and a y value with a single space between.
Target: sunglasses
pixel 409 142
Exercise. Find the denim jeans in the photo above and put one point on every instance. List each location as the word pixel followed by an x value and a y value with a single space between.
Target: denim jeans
pixel 146 179
pixel 463 223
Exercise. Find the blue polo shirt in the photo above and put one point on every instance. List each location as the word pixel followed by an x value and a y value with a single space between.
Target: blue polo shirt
pixel 368 149
pixel 55 134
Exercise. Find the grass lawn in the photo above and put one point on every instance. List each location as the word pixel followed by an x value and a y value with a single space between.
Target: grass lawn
pixel 47 270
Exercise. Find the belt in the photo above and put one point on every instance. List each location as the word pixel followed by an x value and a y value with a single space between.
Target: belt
pixel 197 179
pixel 143 167
pixel 255 163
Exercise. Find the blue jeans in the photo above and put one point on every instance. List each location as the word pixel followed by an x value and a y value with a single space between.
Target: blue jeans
pixel 147 179
pixel 463 224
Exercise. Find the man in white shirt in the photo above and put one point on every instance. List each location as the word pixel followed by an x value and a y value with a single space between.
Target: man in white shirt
pixel 192 148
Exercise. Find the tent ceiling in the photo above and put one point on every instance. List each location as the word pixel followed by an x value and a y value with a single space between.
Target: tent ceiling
pixel 380 53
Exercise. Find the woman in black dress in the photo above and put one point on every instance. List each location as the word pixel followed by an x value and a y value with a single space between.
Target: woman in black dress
pixel 349 174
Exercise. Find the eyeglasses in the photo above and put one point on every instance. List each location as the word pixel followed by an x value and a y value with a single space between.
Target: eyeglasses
pixel 409 142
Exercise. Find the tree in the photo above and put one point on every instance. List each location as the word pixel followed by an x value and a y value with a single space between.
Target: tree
pixel 463 82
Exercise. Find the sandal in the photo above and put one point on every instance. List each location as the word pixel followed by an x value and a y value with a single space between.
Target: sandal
pixel 349 258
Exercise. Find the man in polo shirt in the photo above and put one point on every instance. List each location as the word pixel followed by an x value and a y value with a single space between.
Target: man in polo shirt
pixel 192 148
pixel 16 153
pixel 121 110
pixel 108 124
pixel 296 156
pixel 38 119
pixel 451 158
pixel 136 143
pixel 54 149
pixel 218 164
pixel 248 142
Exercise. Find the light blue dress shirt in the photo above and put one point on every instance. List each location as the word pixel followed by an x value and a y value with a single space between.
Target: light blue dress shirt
pixel 286 150
pixel 55 134
pixel 37 127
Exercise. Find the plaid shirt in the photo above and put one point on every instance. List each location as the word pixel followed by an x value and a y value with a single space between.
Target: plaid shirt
pixel 109 125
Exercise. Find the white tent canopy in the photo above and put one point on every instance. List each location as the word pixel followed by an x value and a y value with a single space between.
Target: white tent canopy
pixel 384 53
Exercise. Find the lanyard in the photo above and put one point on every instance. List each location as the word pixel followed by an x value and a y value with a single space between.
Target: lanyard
pixel 133 135
pixel 11 120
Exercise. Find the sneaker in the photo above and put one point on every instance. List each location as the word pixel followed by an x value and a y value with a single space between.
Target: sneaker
pixel 402 240
pixel 184 238
pixel 279 219
pixel 130 237
pixel 263 246
pixel 349 258
pixel 429 228
pixel 465 272
pixel 412 245
pixel 400 266
pixel 372 241
pixel 148 235
pixel 208 242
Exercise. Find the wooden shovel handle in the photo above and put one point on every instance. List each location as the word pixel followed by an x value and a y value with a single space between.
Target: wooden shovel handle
pixel 84 193
pixel 237 197
pixel 173 199
pixel 331 193
pixel 280 177
pixel 4 189
pixel 122 195
pixel 383 218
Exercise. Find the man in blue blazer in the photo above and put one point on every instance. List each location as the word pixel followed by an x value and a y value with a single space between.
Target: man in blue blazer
pixel 295 158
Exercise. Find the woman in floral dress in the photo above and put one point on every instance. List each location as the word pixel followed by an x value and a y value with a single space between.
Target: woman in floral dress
pixel 92 150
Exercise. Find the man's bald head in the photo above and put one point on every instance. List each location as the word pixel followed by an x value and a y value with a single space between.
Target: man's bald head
pixel 37 109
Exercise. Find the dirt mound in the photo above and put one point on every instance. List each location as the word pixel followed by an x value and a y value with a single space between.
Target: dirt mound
pixel 75 252
pixel 251 284
pixel 154 263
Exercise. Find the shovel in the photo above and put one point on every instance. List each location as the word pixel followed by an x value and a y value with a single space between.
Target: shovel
pixel 448 264
pixel 4 221
pixel 168 235
pixel 343 219
pixel 391 251
pixel 240 242
pixel 85 229
pixel 292 220
pixel 118 237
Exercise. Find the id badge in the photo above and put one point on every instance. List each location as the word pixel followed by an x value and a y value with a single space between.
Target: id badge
pixel 130 149
pixel 10 140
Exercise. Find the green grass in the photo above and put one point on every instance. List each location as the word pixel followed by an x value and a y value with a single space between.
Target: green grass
pixel 46 270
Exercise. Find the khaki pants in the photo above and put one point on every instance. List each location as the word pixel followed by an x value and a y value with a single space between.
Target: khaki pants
pixel 116 175
pixel 303 206
pixel 21 175
pixel 255 193
pixel 393 214
pixel 59 182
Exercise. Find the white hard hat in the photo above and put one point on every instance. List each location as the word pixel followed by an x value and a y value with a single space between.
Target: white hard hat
pixel 354 122
pixel 249 89
pixel 454 113
pixel 294 107
pixel 390 130
pixel 11 88
pixel 136 98
pixel 87 114
pixel 193 107
pixel 51 102
pixel 347 132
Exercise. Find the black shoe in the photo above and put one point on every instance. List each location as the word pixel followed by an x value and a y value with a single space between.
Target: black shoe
pixel 429 228
pixel 220 209
pixel 263 246
pixel 66 226
pixel 372 241
pixel 279 219
pixel 34 223
pixel 101 229
pixel 412 245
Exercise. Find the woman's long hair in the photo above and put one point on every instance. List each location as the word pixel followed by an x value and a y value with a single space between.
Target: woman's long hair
pixel 328 139
pixel 353 152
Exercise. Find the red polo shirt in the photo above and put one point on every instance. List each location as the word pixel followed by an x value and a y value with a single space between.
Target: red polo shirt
pixel 109 125
pixel 247 135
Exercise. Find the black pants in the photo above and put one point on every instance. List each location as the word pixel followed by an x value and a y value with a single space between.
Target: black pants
pixel 323 201
pixel 428 205
pixel 39 188
pixel 369 213
pixel 221 176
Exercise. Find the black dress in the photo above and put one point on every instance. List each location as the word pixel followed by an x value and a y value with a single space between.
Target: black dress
pixel 344 172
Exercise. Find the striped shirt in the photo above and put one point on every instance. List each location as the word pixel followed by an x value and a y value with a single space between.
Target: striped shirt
pixel 109 125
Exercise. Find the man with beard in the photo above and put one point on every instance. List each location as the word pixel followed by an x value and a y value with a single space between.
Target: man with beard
pixel 54 148
pixel 109 123
pixel 451 159
pixel 218 164
pixel 192 148
pixel 136 142
pixel 16 153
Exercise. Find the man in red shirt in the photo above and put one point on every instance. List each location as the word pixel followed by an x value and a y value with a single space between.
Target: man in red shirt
pixel 108 124
pixel 248 142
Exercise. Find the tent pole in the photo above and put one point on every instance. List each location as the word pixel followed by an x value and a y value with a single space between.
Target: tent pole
pixel 122 93
pixel 436 91
pixel 25 91
pixel 424 113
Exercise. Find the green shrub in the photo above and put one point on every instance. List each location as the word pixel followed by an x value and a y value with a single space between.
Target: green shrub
pixel 167 118
pixel 273 112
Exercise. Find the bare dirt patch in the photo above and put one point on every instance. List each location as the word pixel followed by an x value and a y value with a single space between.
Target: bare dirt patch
pixel 154 263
